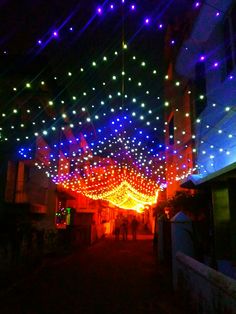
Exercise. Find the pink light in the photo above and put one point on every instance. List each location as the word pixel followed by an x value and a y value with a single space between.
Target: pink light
pixel 99 10
pixel 197 4
pixel 216 64
pixel 202 58
pixel 160 26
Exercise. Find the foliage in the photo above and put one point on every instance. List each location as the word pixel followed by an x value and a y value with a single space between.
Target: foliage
pixel 194 205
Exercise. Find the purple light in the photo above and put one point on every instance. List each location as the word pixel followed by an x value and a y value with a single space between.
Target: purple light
pixel 55 34
pixel 112 6
pixel 147 21
pixel 172 42
pixel 216 64
pixel 231 77
pixel 217 13
pixel 202 58
pixel 132 7
pixel 99 10
pixel 39 42
pixel 197 4
pixel 160 26
pixel 71 29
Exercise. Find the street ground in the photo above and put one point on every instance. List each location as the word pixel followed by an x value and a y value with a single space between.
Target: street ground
pixel 111 276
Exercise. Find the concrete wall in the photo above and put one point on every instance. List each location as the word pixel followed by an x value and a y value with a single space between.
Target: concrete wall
pixel 202 289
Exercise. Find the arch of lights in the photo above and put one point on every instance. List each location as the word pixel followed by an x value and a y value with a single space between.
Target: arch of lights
pixel 119 180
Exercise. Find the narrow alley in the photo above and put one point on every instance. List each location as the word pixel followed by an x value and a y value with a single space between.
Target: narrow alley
pixel 111 276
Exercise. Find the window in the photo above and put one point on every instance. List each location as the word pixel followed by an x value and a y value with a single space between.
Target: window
pixel 229 32
pixel 200 84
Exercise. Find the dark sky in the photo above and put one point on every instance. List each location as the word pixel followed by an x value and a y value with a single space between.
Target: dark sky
pixel 23 23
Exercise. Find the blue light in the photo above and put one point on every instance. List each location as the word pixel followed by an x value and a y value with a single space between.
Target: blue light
pixel 132 7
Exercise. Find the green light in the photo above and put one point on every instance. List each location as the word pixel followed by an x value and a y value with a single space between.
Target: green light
pixel 28 85
pixel 94 64
pixel 143 64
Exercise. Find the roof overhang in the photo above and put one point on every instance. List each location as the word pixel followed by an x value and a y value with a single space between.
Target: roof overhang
pixel 195 181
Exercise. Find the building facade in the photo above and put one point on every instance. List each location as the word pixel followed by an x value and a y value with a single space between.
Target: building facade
pixel 206 66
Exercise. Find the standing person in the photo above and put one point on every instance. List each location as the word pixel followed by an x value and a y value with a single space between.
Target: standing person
pixel 134 226
pixel 117 227
pixel 124 228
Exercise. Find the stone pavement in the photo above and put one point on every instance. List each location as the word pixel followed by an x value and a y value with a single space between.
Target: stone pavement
pixel 108 277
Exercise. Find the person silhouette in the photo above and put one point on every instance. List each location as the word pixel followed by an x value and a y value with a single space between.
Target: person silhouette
pixel 134 227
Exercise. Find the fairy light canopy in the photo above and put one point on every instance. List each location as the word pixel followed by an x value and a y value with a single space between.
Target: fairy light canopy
pixel 83 99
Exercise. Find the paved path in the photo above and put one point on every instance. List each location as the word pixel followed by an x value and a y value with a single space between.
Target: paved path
pixel 115 277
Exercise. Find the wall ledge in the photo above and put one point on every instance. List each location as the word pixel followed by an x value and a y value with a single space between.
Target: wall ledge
pixel 224 283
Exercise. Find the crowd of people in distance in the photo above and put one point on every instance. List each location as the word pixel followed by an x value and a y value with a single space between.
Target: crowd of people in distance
pixel 122 225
